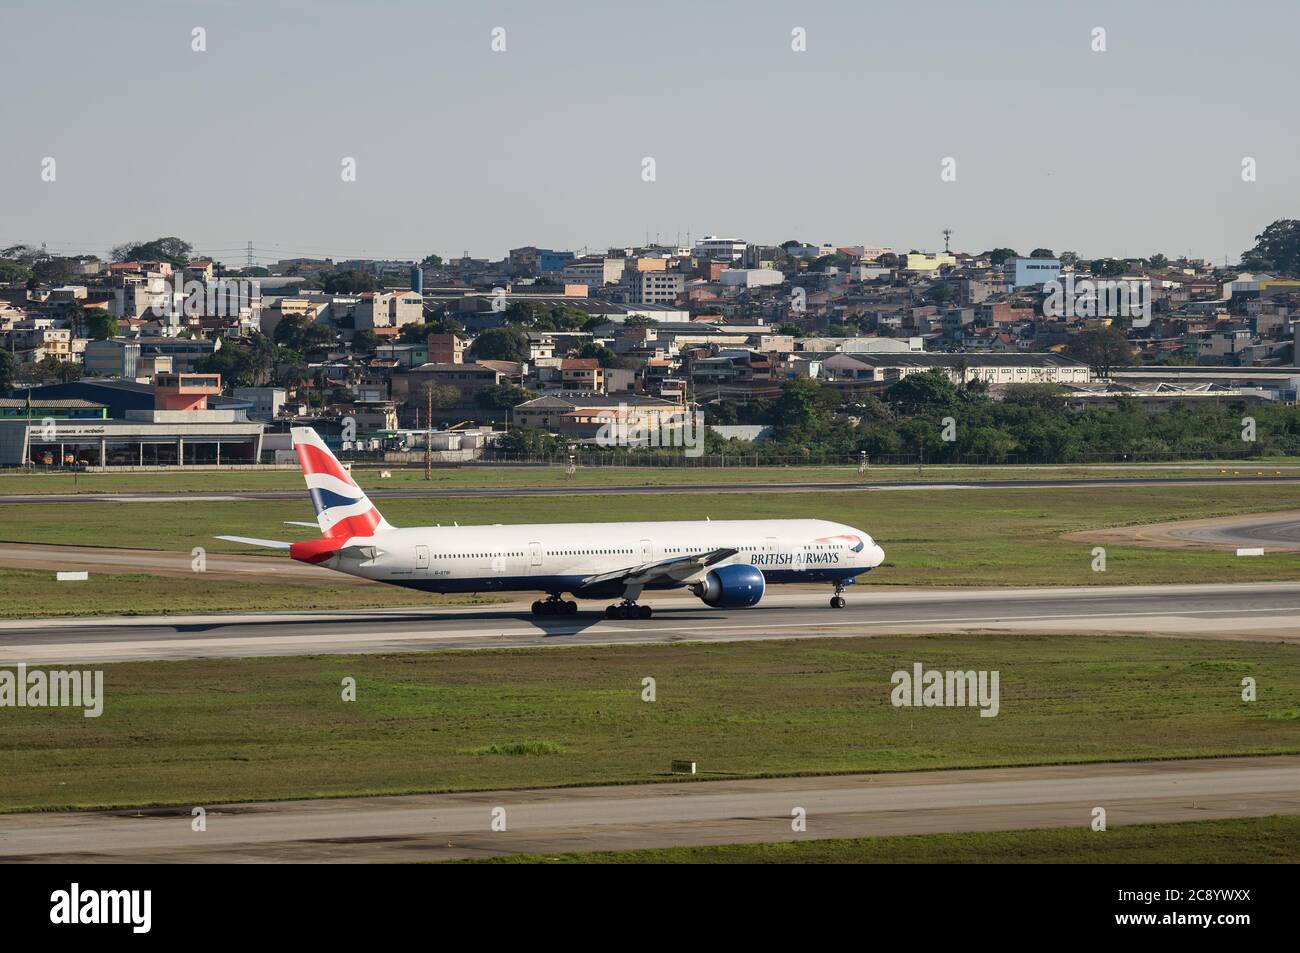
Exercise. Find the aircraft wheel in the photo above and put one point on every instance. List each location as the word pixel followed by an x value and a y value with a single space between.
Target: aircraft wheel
pixel 611 612
pixel 570 607
pixel 644 612
pixel 537 608
pixel 837 602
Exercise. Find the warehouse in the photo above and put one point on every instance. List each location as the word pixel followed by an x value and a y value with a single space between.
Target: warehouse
pixel 176 429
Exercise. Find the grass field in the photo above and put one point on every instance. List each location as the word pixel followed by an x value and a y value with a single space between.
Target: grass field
pixel 202 732
pixel 1264 840
pixel 506 476
pixel 931 537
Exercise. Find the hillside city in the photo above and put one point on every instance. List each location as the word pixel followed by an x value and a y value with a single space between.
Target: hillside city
pixel 790 352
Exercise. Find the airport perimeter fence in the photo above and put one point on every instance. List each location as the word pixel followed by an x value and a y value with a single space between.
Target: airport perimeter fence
pixel 624 459
pixel 643 458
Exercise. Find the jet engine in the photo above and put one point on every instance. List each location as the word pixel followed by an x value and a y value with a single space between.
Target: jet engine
pixel 736 586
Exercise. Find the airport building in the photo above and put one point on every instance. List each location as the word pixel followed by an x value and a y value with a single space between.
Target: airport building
pixel 124 424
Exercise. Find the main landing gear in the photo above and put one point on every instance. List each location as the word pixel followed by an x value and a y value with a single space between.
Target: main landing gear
pixel 554 606
pixel 837 600
pixel 627 609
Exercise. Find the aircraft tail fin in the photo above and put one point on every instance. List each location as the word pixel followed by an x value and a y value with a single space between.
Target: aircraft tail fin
pixel 342 509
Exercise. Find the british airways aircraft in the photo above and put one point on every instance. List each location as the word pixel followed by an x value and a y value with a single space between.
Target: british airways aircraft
pixel 726 563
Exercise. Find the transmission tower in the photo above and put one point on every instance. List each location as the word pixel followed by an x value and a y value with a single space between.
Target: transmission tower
pixel 947 234
pixel 250 254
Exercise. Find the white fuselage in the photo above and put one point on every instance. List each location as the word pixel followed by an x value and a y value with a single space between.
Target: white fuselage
pixel 558 557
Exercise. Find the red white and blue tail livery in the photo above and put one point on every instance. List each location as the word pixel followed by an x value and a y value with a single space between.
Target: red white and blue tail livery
pixel 726 563
pixel 342 508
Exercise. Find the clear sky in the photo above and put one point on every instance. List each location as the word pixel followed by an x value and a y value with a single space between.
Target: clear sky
pixel 1130 151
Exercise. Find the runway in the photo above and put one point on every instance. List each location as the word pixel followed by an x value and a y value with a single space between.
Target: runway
pixel 1248 611
pixel 451 826
pixel 422 493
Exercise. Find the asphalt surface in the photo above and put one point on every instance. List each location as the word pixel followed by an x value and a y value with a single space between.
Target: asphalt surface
pixel 1272 531
pixel 450 826
pixel 422 493
pixel 1260 611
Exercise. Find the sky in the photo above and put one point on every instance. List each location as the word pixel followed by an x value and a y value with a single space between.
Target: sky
pixel 458 147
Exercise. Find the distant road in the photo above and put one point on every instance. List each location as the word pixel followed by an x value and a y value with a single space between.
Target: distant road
pixel 1263 611
pixel 420 493
pixel 629 817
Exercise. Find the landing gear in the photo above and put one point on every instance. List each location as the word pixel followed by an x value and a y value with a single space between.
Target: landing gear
pixel 627 609
pixel 554 606
pixel 837 600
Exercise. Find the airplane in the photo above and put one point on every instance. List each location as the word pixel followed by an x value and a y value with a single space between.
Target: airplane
pixel 726 563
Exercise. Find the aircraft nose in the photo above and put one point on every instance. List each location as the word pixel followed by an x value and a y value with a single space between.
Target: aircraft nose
pixel 877 556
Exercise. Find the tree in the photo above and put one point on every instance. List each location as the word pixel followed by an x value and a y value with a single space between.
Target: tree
pixel 6 370
pixel 1277 248
pixel 601 353
pixel 14 271
pixel 171 249
pixel 1101 349
pixel 999 255
pixel 303 334
pixel 51 368
pixel 1069 257
pixel 639 321
pixel 1158 261
pixel 1041 253
pixel 887 260
pixel 941 293
pixel 1109 267
pixel 432 261
pixel 100 324
pixel 528 440
pixel 53 271
pixel 502 396
pixel 350 282
pixel 804 405
pixel 931 390
pixel 506 343
pixel 366 340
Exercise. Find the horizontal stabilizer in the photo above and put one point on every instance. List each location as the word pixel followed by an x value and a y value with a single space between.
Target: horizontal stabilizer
pixel 250 541
pixel 300 523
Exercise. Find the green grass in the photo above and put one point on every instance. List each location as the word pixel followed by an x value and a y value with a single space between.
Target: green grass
pixel 1265 840
pixel 995 537
pixel 211 731
pixel 522 748
pixel 16 482
pixel 31 594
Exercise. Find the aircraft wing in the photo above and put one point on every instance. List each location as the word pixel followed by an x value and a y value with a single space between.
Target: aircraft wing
pixel 681 569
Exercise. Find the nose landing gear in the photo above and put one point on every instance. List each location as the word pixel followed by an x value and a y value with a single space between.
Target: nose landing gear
pixel 837 600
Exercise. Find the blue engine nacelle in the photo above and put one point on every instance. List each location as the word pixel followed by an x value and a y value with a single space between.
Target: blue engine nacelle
pixel 732 587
